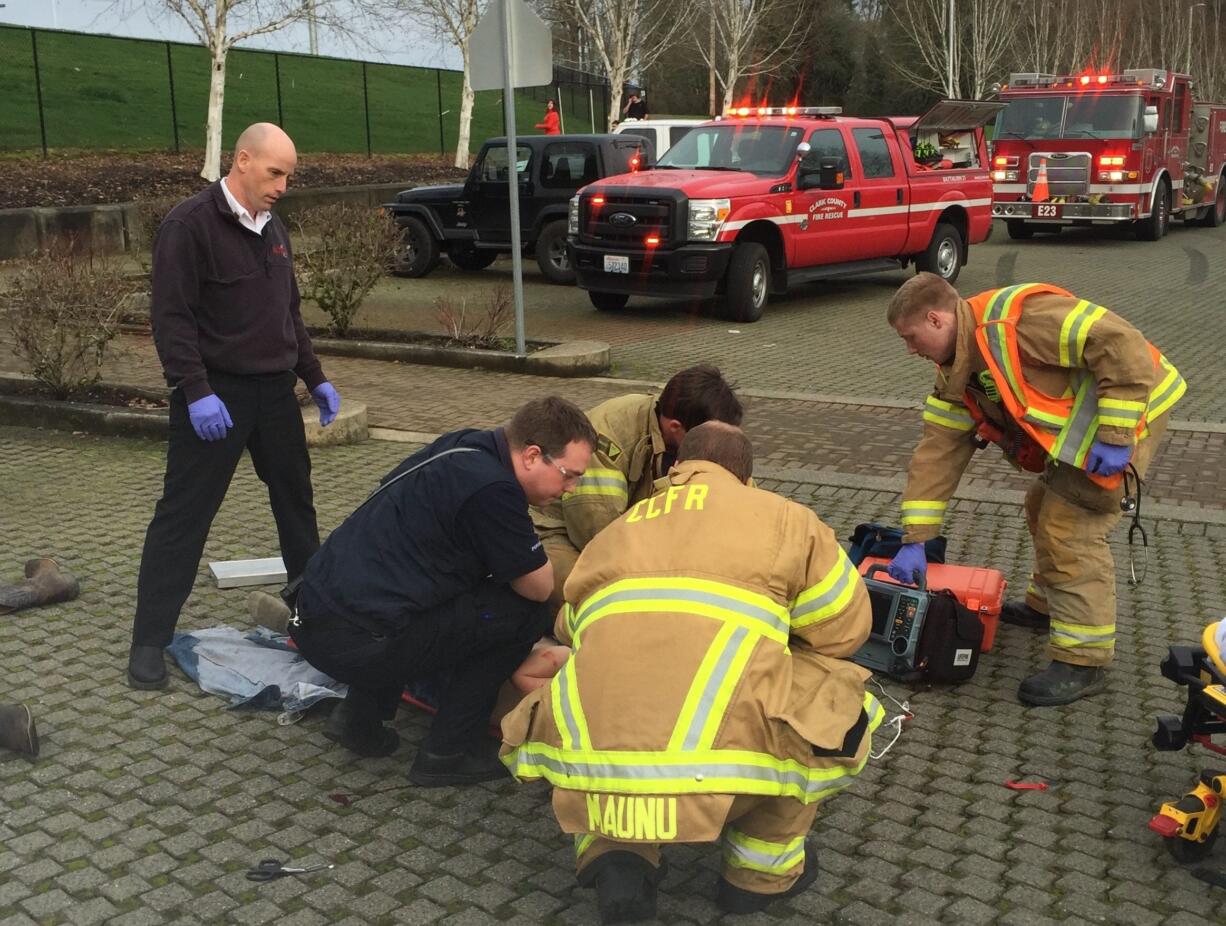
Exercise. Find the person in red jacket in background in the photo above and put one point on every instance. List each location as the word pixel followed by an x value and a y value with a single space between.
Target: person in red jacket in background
pixel 552 124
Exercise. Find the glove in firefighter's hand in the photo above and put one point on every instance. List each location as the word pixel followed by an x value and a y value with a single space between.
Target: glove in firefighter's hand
pixel 909 565
pixel 1107 459
pixel 329 402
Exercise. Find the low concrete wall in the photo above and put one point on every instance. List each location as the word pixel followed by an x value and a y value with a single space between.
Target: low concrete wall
pixel 113 229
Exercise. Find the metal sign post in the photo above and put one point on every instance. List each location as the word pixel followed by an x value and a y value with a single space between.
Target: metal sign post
pixel 511 35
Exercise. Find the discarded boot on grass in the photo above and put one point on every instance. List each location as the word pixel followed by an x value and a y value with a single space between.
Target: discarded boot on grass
pixel 45 583
pixel 17 730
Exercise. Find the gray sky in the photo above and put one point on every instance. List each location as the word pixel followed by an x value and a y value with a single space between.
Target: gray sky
pixel 101 16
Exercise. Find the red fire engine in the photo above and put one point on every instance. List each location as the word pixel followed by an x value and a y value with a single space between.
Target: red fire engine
pixel 772 197
pixel 1096 149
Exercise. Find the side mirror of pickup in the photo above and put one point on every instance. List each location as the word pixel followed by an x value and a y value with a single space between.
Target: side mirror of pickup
pixel 1150 119
pixel 829 175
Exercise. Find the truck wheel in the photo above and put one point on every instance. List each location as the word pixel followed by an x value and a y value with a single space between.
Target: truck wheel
pixel 1217 212
pixel 418 253
pixel 748 283
pixel 608 302
pixel 1155 226
pixel 551 255
pixel 944 254
pixel 471 257
pixel 1019 230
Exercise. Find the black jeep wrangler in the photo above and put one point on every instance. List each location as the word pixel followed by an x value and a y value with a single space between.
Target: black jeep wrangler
pixel 472 222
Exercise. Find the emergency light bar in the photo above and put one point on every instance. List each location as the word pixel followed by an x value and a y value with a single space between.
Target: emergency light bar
pixel 742 111
pixel 1136 77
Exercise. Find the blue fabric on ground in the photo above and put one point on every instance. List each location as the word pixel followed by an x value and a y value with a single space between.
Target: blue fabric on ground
pixel 254 669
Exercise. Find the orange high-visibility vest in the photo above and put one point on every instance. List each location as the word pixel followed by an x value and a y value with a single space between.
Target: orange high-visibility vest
pixel 1064 426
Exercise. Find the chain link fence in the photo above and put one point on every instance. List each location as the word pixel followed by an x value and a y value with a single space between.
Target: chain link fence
pixel 73 90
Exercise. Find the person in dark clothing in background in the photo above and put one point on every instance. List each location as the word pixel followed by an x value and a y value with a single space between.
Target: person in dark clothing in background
pixel 232 343
pixel 636 108
pixel 440 573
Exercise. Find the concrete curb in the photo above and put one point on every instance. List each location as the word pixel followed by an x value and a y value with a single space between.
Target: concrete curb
pixel 568 359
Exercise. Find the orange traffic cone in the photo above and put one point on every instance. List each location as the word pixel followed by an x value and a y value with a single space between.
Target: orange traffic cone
pixel 1041 193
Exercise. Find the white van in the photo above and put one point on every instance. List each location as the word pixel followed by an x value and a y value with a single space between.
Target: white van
pixel 663 132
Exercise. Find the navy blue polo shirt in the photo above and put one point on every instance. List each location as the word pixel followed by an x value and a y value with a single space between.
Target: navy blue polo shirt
pixel 427 539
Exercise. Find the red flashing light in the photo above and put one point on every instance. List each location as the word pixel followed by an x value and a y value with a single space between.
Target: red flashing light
pixel 1085 79
pixel 742 111
pixel 1102 78
pixel 634 163
pixel 653 240
pixel 597 200
pixel 1001 161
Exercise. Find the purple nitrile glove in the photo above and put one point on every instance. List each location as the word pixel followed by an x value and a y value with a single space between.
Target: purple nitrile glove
pixel 1107 459
pixel 209 418
pixel 907 562
pixel 329 402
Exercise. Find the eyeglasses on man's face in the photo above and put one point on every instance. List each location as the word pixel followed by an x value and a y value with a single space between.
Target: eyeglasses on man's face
pixel 567 475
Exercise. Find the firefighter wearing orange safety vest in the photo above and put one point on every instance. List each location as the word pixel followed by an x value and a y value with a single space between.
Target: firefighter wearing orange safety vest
pixel 637 440
pixel 1067 389
pixel 709 694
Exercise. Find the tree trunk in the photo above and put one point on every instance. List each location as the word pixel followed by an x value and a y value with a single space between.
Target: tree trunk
pixel 711 71
pixel 615 103
pixel 466 113
pixel 217 94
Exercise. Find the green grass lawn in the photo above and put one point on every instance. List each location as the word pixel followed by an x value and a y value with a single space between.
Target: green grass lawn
pixel 108 92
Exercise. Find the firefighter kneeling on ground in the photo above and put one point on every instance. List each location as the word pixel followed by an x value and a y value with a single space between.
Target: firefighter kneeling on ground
pixel 1068 389
pixel 709 692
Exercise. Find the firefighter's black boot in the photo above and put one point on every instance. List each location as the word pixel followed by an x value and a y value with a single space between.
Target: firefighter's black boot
pixel 1062 683
pixel 476 764
pixel 1020 614
pixel 733 899
pixel 360 731
pixel 146 668
pixel 17 730
pixel 625 886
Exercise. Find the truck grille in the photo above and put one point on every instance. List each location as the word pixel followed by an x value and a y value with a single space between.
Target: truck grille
pixel 651 216
pixel 1066 175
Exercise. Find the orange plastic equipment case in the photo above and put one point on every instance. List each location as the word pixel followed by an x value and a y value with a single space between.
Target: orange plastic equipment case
pixel 980 590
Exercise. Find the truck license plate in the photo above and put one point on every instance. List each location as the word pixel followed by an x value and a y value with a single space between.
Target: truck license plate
pixel 615 264
pixel 1046 210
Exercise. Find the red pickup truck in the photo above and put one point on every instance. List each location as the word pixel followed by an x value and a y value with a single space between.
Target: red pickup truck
pixel 768 198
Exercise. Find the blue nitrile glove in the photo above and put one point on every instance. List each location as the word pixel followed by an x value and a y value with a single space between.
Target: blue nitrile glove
pixel 907 562
pixel 1107 459
pixel 209 418
pixel 329 402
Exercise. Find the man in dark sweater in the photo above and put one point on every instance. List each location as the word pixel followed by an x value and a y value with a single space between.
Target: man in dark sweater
pixel 440 573
pixel 232 343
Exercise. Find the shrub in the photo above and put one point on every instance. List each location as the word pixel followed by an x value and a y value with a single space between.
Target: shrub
pixel 481 328
pixel 63 312
pixel 345 251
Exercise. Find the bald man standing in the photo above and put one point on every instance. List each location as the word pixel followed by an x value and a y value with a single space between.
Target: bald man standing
pixel 232 343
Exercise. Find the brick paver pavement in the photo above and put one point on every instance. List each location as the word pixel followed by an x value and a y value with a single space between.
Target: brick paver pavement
pixel 146 808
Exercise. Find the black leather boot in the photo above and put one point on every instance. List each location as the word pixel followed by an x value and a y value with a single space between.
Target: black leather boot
pixel 146 668
pixel 17 730
pixel 625 886
pixel 365 735
pixel 1062 683
pixel 432 770
pixel 1020 614
pixel 733 899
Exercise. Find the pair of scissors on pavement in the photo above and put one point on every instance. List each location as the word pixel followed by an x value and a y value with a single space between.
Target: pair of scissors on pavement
pixel 270 869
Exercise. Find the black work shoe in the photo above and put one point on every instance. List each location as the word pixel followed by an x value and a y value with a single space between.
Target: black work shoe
pixel 17 730
pixel 431 770
pixel 733 899
pixel 1062 683
pixel 364 735
pixel 146 668
pixel 625 885
pixel 1020 614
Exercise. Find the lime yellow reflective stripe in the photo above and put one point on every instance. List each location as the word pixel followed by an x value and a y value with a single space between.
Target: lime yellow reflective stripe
pixel 675 595
pixel 773 858
pixel 711 771
pixel 923 511
pixel 828 597
pixel 583 842
pixel 1120 413
pixel 597 481
pixel 1075 329
pixel 995 314
pixel 1081 636
pixel 568 617
pixel 947 414
pixel 712 687
pixel 1167 392
pixel 567 710
pixel 1046 419
pixel 1073 442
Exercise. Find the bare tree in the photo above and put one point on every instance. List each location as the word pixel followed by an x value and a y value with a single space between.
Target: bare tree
pixel 742 28
pixel 984 42
pixel 627 36
pixel 453 21
pixel 925 25
pixel 991 41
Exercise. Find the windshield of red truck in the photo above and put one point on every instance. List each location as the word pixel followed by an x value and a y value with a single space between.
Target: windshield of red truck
pixel 758 149
pixel 1088 115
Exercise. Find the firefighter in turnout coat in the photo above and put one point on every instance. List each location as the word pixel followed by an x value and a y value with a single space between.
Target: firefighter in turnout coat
pixel 709 694
pixel 637 440
pixel 1068 389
